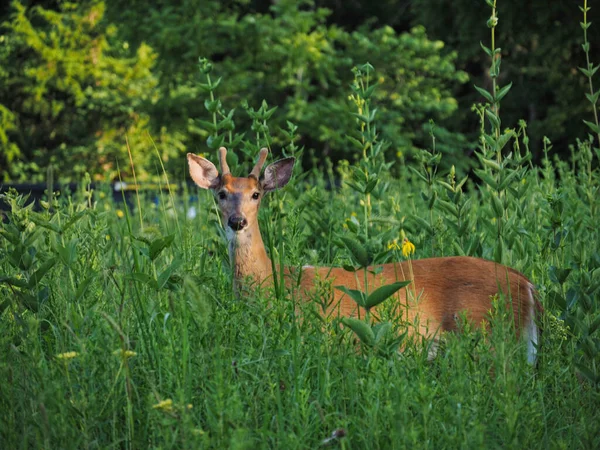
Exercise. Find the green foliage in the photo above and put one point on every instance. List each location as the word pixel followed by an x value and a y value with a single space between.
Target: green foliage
pixel 293 58
pixel 71 91
pixel 119 327
pixel 541 46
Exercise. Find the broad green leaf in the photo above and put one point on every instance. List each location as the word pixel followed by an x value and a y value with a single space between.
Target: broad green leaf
pixel 158 245
pixel 357 249
pixel 168 272
pixel 357 296
pixel 361 329
pixel 41 271
pixel 381 330
pixel 384 292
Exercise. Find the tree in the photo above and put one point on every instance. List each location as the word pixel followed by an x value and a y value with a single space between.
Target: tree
pixel 70 91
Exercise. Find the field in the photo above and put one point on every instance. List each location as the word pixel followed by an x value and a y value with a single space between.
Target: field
pixel 125 333
pixel 120 327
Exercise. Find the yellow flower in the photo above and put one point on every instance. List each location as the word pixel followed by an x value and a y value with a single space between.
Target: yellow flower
pixel 120 214
pixel 408 248
pixel 394 245
pixel 67 355
pixel 165 405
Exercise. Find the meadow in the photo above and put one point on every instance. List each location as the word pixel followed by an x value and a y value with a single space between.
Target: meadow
pixel 120 327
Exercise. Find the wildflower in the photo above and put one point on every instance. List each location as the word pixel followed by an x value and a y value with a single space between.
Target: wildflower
pixel 120 214
pixel 67 355
pixel 353 214
pixel 124 353
pixel 393 245
pixel 408 248
pixel 164 405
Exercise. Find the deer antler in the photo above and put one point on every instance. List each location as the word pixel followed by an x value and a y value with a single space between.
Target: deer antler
pixel 262 157
pixel 223 161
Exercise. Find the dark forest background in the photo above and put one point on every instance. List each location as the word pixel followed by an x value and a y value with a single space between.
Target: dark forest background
pixel 77 78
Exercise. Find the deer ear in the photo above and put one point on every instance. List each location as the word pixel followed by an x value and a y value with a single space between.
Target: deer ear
pixel 278 174
pixel 203 172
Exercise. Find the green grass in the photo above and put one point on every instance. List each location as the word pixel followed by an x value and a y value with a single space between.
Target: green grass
pixel 264 372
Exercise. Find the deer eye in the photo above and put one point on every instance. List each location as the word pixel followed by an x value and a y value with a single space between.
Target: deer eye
pixel 256 195
pixel 222 195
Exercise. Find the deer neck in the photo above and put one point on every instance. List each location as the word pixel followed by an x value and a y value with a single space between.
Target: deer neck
pixel 248 256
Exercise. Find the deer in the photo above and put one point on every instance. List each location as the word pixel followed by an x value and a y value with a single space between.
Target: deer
pixel 448 286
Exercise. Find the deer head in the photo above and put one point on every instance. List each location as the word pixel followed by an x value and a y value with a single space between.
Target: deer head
pixel 239 198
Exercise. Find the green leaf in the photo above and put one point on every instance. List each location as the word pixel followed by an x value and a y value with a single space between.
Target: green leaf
pixel 422 223
pixel 485 49
pixel 485 94
pixel 586 72
pixel 158 245
pixel 83 287
pixel 13 281
pixel 381 330
pixel 357 249
pixel 358 187
pixel 142 278
pixel 371 185
pixel 356 295
pixel 361 329
pixel 358 144
pixel 74 219
pixel 167 274
pixel 499 251
pixel 557 275
pixel 595 128
pixel 497 205
pixel 486 178
pixel 503 140
pixel 490 163
pixel 502 92
pixel 593 98
pixel 42 222
pixel 384 292
pixel 41 271
pixel 450 208
pixel 493 118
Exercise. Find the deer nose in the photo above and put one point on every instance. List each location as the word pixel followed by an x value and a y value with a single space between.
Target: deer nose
pixel 237 223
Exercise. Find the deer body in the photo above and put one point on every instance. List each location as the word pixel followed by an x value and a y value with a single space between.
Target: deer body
pixel 442 288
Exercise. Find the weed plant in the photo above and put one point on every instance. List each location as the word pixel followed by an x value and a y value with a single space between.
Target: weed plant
pixel 120 328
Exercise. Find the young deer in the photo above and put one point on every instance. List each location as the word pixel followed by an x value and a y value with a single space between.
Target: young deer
pixel 445 286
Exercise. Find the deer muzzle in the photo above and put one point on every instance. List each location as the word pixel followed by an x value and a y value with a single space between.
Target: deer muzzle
pixel 237 223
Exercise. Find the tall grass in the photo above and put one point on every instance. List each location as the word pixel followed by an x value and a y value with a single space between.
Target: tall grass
pixel 120 328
